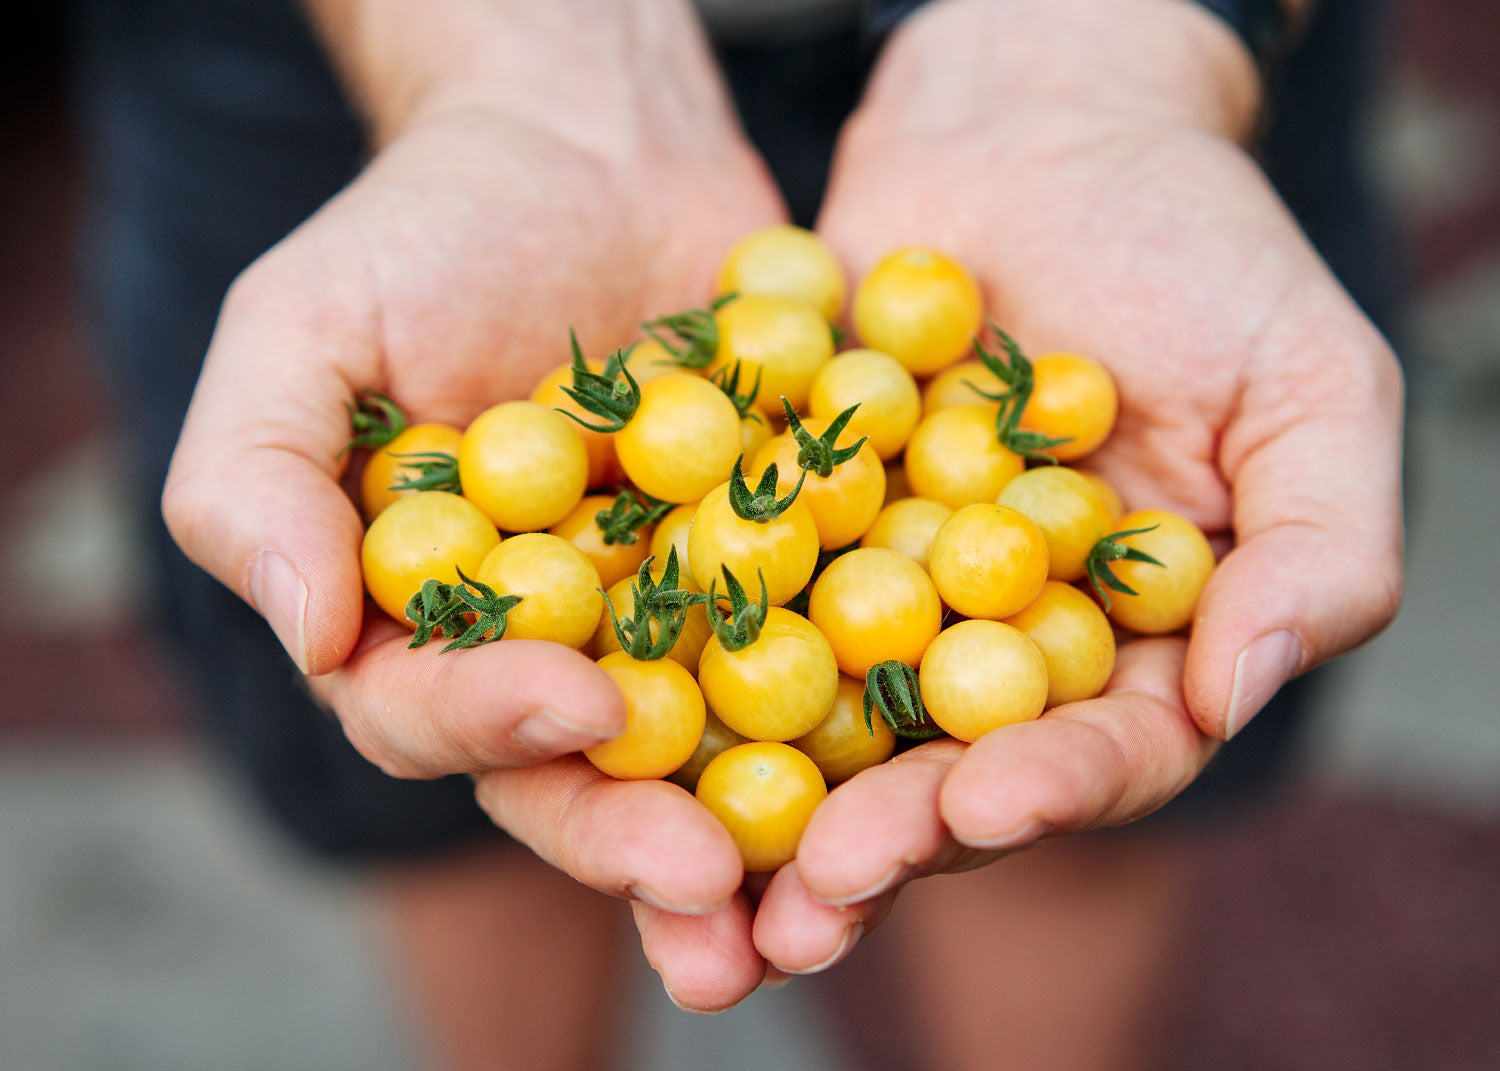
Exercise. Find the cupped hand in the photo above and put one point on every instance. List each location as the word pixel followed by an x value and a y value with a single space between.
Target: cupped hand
pixel 1084 161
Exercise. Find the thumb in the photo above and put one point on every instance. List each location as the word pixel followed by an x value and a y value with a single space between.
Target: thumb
pixel 252 494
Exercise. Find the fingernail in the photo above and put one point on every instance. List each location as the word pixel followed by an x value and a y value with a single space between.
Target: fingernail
pixel 683 1007
pixel 1263 667
pixel 548 733
pixel 898 873
pixel 280 596
pixel 774 979
pixel 647 895
pixel 1033 830
pixel 851 935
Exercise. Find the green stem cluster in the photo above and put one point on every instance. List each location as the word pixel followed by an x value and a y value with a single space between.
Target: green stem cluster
pixel 435 471
pixel 1015 371
pixel 612 395
pixel 439 609
pixel 1110 549
pixel 627 515
pixel 374 420
pixel 695 333
pixel 892 688
pixel 742 626
pixel 661 602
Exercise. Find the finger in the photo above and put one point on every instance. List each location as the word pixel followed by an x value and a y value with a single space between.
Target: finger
pixel 646 840
pixel 1100 762
pixel 707 962
pixel 252 493
pixel 1314 459
pixel 422 713
pixel 798 934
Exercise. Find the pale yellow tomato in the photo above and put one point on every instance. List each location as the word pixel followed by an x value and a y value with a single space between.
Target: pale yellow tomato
pixel 844 503
pixel 988 561
pixel 604 467
pixel 690 641
pixel 557 584
pixel 875 605
pixel 1073 398
pixel 1167 594
pixel 717 739
pixel 1075 640
pixel 887 396
pixel 785 261
pixel 764 794
pixel 841 745
pixel 979 675
pixel 672 531
pixel 664 718
pixel 682 440
pixel 920 306
pixel 778 687
pixel 955 457
pixel 951 386
pixel 783 551
pixel 523 464
pixel 431 534
pixel 1071 512
pixel 785 340
pixel 908 526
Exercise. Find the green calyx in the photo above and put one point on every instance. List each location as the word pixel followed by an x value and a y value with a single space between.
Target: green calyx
pixel 660 601
pixel 1015 371
pixel 727 379
pixel 761 505
pixel 627 515
pixel 1110 549
pixel 742 626
pixel 438 609
pixel 892 688
pixel 374 420
pixel 434 471
pixel 694 333
pixel 818 455
pixel 612 395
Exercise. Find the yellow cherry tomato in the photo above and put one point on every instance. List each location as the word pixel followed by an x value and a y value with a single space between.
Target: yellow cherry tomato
pixel 664 718
pixel 778 687
pixel 717 739
pixel 979 675
pixel 908 526
pixel 840 745
pixel 672 531
pixel 955 457
pixel 844 503
pixel 613 560
pixel 920 306
pixel 604 467
pixel 557 584
pixel 682 440
pixel 887 396
pixel 1073 398
pixel 1075 640
pixel 951 387
pixel 875 605
pixel 784 551
pixel 523 464
pixel 1111 497
pixel 431 534
pixel 988 561
pixel 648 359
pixel 1071 512
pixel 785 339
pixel 764 794
pixel 690 641
pixel 384 467
pixel 785 261
pixel 1166 594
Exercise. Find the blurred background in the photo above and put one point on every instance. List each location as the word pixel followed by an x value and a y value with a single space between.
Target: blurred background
pixel 150 919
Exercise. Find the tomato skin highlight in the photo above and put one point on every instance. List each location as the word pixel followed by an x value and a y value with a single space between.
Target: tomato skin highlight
pixel 840 745
pixel 1075 640
pixel 1167 593
pixel 664 719
pixel 383 468
pixel 785 261
pixel 843 504
pixel 889 403
pixel 683 439
pixel 908 526
pixel 955 458
pixel 428 534
pixel 557 584
pixel 988 561
pixel 875 605
pixel 920 306
pixel 1072 398
pixel 1071 512
pixel 784 551
pixel 979 675
pixel 523 464
pixel 778 687
pixel 764 794
pixel 784 339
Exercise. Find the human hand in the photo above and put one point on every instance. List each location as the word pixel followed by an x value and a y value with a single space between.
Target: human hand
pixel 1084 160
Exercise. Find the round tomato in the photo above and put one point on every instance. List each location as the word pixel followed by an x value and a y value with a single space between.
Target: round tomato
pixel 1166 594
pixel 690 641
pixel 920 306
pixel 951 387
pixel 980 675
pixel 1111 497
pixel 613 560
pixel 1075 640
pixel 785 261
pixel 784 551
pixel 557 584
pixel 844 503
pixel 1069 510
pixel 1073 398
pixel 955 458
pixel 785 340
pixel 523 464
pixel 717 739
pixel 988 561
pixel 908 526
pixel 604 467
pixel 778 687
pixel 672 531
pixel 664 718
pixel 887 396
pixel 386 467
pixel 841 745
pixel 648 359
pixel 682 440
pixel 431 534
pixel 763 794
pixel 875 605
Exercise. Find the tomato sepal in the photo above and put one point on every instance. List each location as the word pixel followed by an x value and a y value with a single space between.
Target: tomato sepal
pixel 1110 549
pixel 761 506
pixel 892 688
pixel 742 626
pixel 605 394
pixel 374 420
pixel 817 454
pixel 661 601
pixel 628 514
pixel 435 471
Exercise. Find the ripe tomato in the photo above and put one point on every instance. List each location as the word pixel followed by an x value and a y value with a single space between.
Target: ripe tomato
pixel 1071 512
pixel 980 675
pixel 690 641
pixel 784 551
pixel 1167 594
pixel 763 794
pixel 682 440
pixel 557 584
pixel 786 340
pixel 920 306
pixel 887 396
pixel 844 504
pixel 523 464
pixel 1075 640
pixel 755 430
pixel 613 560
pixel 604 467
pixel 672 531
pixel 1073 398
pixel 955 457
pixel 951 387
pixel 778 687
pixel 789 262
pixel 908 526
pixel 664 717
pixel 840 745
pixel 988 561
pixel 1109 494
pixel 648 359
pixel 383 468
pixel 428 534
pixel 875 605
pixel 717 739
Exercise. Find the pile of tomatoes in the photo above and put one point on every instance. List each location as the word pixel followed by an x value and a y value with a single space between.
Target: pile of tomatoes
pixel 788 558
